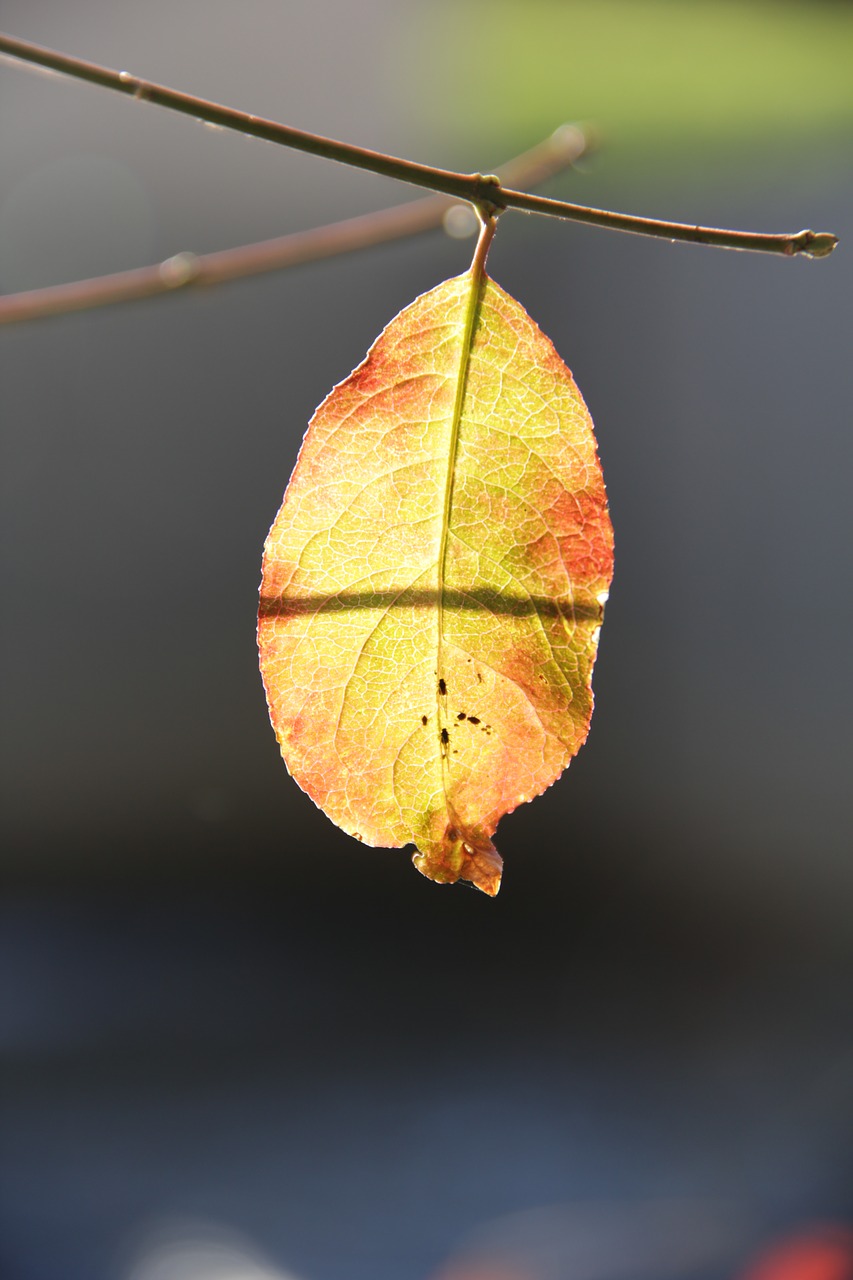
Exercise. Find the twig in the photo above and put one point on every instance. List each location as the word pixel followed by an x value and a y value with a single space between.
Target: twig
pixel 185 270
pixel 485 192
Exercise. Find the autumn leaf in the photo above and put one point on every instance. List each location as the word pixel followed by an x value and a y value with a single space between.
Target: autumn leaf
pixel 434 583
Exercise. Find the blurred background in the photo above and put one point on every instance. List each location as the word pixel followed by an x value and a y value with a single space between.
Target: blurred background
pixel 235 1045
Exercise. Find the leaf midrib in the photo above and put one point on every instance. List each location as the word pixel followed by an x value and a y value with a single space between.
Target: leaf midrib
pixel 476 280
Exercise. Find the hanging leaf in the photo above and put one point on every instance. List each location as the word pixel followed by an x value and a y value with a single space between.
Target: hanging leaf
pixel 434 582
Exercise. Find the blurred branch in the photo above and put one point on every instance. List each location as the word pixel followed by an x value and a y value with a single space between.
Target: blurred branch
pixel 184 270
pixel 484 192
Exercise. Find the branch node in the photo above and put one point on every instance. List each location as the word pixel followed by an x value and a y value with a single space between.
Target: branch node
pixel 180 269
pixel 488 194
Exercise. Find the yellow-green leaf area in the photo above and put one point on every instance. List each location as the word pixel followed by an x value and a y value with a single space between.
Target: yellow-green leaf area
pixel 434 582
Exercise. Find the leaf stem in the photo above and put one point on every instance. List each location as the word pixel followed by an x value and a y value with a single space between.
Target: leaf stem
pixel 188 270
pixel 479 190
pixel 488 224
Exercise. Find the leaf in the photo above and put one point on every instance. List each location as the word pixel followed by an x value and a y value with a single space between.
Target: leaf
pixel 434 583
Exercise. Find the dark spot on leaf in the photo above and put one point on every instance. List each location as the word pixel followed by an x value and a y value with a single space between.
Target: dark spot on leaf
pixel 423 719
pixel 473 720
pixel 461 715
pixel 442 687
pixel 479 678
pixel 445 737
pixel 452 833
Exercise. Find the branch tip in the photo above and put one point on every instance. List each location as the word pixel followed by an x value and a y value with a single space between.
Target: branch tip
pixel 817 244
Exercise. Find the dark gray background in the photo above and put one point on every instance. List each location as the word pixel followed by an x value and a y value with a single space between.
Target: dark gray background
pixel 222 1019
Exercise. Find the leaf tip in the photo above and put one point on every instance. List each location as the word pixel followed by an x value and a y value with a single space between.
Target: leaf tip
pixel 461 854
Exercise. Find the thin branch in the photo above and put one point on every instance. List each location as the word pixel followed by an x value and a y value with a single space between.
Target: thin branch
pixel 812 244
pixel 485 192
pixel 185 270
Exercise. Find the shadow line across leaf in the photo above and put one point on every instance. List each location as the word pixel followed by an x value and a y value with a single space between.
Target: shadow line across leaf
pixel 478 598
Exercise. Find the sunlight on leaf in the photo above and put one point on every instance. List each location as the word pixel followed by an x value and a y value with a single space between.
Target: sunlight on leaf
pixel 434 583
